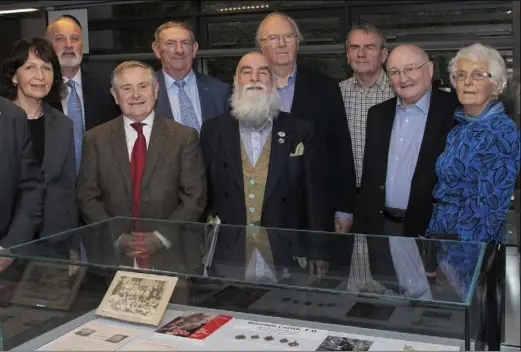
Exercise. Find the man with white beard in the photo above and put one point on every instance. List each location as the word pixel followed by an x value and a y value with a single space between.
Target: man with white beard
pixel 263 169
pixel 88 102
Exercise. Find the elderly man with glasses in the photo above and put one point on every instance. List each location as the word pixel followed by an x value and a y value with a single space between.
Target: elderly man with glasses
pixel 315 97
pixel 405 136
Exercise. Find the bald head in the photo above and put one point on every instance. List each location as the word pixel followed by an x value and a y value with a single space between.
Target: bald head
pixel 404 51
pixel 66 39
pixel 411 73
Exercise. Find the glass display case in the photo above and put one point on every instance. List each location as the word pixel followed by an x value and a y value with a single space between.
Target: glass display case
pixel 371 292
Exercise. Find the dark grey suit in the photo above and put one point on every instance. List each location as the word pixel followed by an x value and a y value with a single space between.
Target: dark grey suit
pixel 213 96
pixel 59 170
pixel 21 186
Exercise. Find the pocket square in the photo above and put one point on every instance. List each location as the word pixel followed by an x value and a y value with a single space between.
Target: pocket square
pixel 298 151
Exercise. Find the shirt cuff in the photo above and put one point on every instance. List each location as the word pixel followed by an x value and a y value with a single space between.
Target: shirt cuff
pixel 163 240
pixel 339 214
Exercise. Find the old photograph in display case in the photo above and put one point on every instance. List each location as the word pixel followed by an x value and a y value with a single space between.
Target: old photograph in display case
pixel 136 297
pixel 49 285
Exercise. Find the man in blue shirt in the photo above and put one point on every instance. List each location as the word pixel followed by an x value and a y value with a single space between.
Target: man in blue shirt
pixel 188 97
pixel 405 136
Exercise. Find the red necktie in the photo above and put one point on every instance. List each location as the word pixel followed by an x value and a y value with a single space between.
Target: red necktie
pixel 137 166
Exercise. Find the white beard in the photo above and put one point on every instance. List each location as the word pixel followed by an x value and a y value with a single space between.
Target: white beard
pixel 69 62
pixel 252 108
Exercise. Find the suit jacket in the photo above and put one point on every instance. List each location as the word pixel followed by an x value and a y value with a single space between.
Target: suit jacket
pixel 59 170
pixel 100 106
pixel 380 119
pixel 173 186
pixel 22 186
pixel 213 96
pixel 318 99
pixel 295 188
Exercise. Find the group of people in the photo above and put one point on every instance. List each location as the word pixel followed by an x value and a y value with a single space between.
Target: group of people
pixel 383 152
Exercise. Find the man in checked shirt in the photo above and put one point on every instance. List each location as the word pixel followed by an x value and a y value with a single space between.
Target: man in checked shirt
pixel 366 53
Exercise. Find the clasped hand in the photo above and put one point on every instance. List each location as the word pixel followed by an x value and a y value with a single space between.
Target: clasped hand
pixel 140 244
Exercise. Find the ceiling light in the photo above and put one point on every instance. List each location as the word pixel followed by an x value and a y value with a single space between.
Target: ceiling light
pixel 5 12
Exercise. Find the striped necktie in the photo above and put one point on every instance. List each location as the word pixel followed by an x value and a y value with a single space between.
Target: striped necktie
pixel 75 113
pixel 188 116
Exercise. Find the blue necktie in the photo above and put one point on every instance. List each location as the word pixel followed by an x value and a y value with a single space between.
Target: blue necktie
pixel 188 116
pixel 76 114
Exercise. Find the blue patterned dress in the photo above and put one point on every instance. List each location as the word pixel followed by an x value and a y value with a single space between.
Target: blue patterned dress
pixel 476 177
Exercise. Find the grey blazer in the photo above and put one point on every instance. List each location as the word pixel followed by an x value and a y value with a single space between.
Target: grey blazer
pixel 213 96
pixel 21 185
pixel 173 188
pixel 59 170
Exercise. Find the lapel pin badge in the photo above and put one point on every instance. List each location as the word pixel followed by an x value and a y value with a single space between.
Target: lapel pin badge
pixel 281 134
pixel 281 140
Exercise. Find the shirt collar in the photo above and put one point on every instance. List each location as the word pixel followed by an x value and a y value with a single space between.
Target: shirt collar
pixel 291 78
pixel 149 121
pixel 266 125
pixel 76 78
pixel 382 81
pixel 423 104
pixel 169 81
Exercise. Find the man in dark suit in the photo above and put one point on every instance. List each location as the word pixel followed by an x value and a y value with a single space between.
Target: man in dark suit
pixel 140 165
pixel 186 96
pixel 315 97
pixel 405 136
pixel 22 183
pixel 88 102
pixel 264 168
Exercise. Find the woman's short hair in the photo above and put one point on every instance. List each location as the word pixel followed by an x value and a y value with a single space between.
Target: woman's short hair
pixel 479 52
pixel 18 56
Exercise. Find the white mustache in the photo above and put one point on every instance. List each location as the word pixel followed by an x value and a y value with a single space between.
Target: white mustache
pixel 254 85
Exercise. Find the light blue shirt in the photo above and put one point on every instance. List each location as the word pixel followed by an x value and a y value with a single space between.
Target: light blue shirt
pixel 190 89
pixel 254 140
pixel 287 92
pixel 406 140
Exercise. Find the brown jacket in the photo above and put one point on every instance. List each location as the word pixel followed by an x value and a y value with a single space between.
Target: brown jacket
pixel 173 188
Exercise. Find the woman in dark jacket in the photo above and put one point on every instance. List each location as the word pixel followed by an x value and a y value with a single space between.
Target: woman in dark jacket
pixel 31 76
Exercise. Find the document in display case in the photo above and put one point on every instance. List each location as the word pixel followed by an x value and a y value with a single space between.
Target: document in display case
pixel 221 305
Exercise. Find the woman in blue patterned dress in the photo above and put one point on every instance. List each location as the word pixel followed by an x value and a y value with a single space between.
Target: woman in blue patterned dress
pixel 478 169
pixel 476 177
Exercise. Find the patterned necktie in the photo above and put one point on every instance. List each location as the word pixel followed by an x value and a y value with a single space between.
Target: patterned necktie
pixel 75 113
pixel 188 116
pixel 137 166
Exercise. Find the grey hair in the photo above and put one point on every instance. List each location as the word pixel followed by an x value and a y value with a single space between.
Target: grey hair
pixel 280 14
pixel 479 52
pixel 128 65
pixel 368 28
pixel 173 24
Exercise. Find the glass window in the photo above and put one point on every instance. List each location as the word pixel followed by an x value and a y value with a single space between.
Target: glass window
pixel 222 68
pixel 234 6
pixel 142 9
pixel 232 34
pixel 241 6
pixel 334 65
pixel 325 30
pixel 135 40
pixel 463 22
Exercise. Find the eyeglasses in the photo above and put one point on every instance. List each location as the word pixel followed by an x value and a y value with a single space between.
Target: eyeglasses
pixel 275 39
pixel 407 71
pixel 476 75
